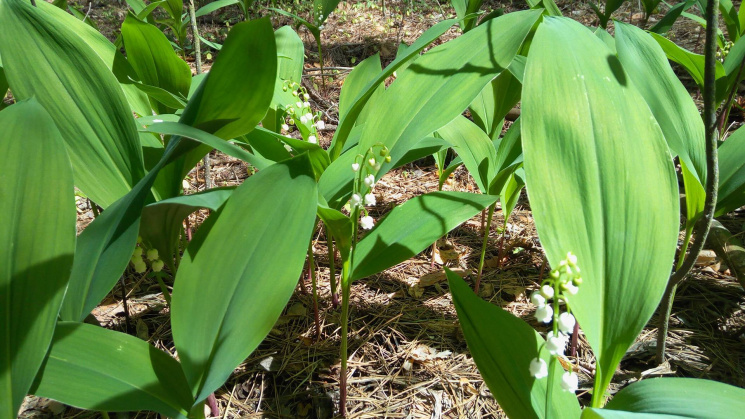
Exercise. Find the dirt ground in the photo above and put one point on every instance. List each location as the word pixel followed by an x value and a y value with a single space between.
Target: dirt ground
pixel 408 356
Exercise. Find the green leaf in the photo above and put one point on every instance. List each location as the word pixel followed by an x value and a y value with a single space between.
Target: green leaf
pixel 673 398
pixel 693 64
pixel 174 8
pixel 161 221
pixel 357 82
pixel 291 54
pixel 37 240
pixel 104 247
pixel 601 184
pixel 44 57
pixel 494 102
pixel 667 21
pixel 181 130
pixel 339 225
pixel 239 87
pixel 348 122
pixel 250 254
pixel 98 369
pixel 671 104
pixel 213 6
pixel 151 55
pixel 475 149
pixel 731 173
pixel 511 192
pixel 443 82
pixel 413 226
pixel 503 346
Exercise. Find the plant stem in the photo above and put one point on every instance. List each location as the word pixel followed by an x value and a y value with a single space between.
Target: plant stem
pixel 701 229
pixel 550 386
pixel 164 288
pixel 312 274
pixel 483 246
pixel 345 291
pixel 320 60
pixel 728 104
pixel 332 268
pixel 598 392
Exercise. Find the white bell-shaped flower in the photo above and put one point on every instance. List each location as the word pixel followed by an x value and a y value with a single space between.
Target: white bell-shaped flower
pixel 544 314
pixel 355 167
pixel 312 139
pixel 370 180
pixel 355 200
pixel 556 344
pixel 538 368
pixel 367 222
pixel 569 381
pixel 566 322
pixel 537 299
pixel 547 291
pixel 370 199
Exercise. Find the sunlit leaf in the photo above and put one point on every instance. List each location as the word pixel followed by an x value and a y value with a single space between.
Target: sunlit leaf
pixel 250 253
pixel 601 184
pixel 44 57
pixel 503 346
pixel 37 240
pixel 94 368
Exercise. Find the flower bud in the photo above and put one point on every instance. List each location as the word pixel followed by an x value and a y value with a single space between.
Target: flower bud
pixel 137 252
pixel 140 266
pixel 285 127
pixel 355 200
pixel 152 254
pixel 312 139
pixel 157 265
pixel 369 180
pixel 388 158
pixel 577 281
pixel 355 167
pixel 547 291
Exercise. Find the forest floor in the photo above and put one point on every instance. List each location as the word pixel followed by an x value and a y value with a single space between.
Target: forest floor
pixel 408 356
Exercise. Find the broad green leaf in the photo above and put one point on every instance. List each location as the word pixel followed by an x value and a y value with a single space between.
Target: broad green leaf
pixel 104 247
pixel 266 144
pixel 235 94
pixel 44 57
pixel 151 55
pixel 339 225
pixel 251 252
pixel 693 64
pixel 494 102
pixel 475 149
pixel 336 182
pixel 291 54
pixel 98 369
pixel 731 173
pixel 601 184
pixel 239 87
pixel 671 104
pixel 549 5
pixel 511 192
pixel 348 122
pixel 185 131
pixel 138 101
pixel 732 22
pixel 174 8
pixel 510 148
pixel 37 241
pixel 162 221
pixel 674 398
pixel 667 21
pixel 443 82
pixel 325 7
pixel 503 346
pixel 213 6
pixel 650 5
pixel 413 226
pixel 357 82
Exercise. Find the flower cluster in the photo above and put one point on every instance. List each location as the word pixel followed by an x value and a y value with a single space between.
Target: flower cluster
pixel 151 255
pixel 365 167
pixel 724 52
pixel 300 115
pixel 561 284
